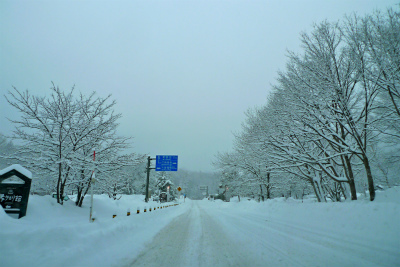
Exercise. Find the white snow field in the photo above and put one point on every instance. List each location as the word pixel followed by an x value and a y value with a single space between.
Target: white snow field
pixel 278 232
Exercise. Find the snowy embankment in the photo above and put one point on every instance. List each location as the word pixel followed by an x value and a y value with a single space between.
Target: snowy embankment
pixel 55 235
pixel 290 233
pixel 277 232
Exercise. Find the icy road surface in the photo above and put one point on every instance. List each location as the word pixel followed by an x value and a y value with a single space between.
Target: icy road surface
pixel 213 235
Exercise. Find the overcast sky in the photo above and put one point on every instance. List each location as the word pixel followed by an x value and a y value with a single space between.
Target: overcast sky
pixel 182 72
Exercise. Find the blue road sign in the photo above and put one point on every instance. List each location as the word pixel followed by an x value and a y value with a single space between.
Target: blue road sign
pixel 166 163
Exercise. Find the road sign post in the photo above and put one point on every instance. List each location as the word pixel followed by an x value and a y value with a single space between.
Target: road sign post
pixel 148 177
pixel 163 163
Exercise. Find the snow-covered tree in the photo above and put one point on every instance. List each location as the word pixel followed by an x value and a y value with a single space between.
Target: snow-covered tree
pixel 163 183
pixel 330 111
pixel 6 148
pixel 59 134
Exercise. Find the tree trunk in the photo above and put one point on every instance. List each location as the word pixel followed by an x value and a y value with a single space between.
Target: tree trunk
pixel 315 190
pixel 352 185
pixel 261 193
pixel 79 199
pixel 344 189
pixel 353 191
pixel 370 179
pixel 84 194
pixel 78 196
pixel 59 199
pixel 62 193
pixel 320 190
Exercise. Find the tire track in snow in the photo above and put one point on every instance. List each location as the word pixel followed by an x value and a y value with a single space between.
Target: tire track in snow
pixel 193 239
pixel 166 246
pixel 352 246
pixel 265 249
pixel 305 246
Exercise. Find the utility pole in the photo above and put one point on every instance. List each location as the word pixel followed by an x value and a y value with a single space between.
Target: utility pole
pixel 148 177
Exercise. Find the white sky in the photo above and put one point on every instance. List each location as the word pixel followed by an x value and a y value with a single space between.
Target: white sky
pixel 182 72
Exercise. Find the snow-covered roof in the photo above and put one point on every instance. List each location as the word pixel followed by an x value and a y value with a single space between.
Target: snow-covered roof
pixel 18 168
pixel 166 182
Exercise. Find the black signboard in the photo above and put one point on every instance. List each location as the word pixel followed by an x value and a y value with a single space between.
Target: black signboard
pixel 14 193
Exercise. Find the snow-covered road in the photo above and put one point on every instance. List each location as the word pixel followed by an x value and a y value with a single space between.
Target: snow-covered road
pixel 193 239
pixel 209 234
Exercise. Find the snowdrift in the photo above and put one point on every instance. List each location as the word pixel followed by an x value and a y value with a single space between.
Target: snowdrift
pixel 55 235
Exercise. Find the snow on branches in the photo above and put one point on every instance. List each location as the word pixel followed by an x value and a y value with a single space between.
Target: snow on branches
pixel 330 113
pixel 59 134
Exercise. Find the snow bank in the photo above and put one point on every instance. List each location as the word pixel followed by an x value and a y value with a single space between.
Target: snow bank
pixel 55 235
pixel 369 230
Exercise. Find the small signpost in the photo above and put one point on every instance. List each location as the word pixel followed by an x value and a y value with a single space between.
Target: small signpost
pixel 15 184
